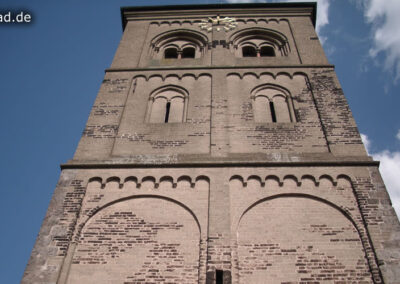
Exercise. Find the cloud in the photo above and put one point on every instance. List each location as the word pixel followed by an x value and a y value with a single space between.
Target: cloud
pixel 322 12
pixel 384 16
pixel 366 141
pixel 390 169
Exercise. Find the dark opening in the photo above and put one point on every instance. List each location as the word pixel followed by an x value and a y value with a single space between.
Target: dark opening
pixel 167 112
pixel 219 276
pixel 249 51
pixel 267 51
pixel 171 53
pixel 188 52
pixel 272 108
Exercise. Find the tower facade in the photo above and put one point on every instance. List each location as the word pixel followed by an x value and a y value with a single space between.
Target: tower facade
pixel 220 149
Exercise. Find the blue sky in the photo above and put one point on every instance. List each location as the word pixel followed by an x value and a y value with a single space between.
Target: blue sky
pixel 52 68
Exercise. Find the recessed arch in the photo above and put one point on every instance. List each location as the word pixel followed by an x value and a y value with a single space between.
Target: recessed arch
pixel 313 228
pixel 204 75
pixel 95 183
pixel 291 178
pixel 189 75
pixel 166 182
pixel 284 74
pixel 327 177
pixel 97 210
pixel 97 179
pixel 167 104
pixel 154 234
pixel 185 181
pixel 299 195
pixel 234 75
pixel 254 182
pixel 131 178
pixel 272 103
pixel 179 39
pixel 266 43
pixel 251 75
pixel 157 77
pixel 202 177
pixel 309 178
pixel 113 183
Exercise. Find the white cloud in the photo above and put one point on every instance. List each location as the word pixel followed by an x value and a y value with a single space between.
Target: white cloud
pixel 322 12
pixel 322 9
pixel 390 169
pixel 366 141
pixel 384 15
pixel 398 135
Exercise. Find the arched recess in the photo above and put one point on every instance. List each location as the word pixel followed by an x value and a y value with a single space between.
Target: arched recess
pixel 179 44
pixel 272 103
pixel 138 239
pixel 259 42
pixel 168 104
pixel 295 238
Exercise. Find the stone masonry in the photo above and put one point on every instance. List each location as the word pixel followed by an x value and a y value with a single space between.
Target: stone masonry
pixel 220 149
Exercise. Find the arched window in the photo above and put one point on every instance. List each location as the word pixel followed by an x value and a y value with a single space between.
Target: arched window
pixel 267 51
pixel 249 51
pixel 259 42
pixel 272 104
pixel 189 52
pixel 179 44
pixel 262 110
pixel 167 105
pixel 171 52
pixel 282 112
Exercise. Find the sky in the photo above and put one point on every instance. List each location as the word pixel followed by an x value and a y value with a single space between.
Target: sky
pixel 52 68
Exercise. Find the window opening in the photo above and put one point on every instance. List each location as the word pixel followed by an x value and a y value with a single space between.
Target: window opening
pixel 272 108
pixel 168 107
pixel 267 51
pixel 249 51
pixel 219 276
pixel 188 52
pixel 171 53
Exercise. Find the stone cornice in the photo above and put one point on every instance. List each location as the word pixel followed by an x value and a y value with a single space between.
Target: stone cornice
pixel 243 9
pixel 210 164
pixel 166 68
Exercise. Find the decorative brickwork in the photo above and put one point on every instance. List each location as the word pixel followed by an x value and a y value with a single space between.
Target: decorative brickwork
pixel 260 176
pixel 340 128
pixel 306 239
pixel 280 136
pixel 142 235
pixel 70 212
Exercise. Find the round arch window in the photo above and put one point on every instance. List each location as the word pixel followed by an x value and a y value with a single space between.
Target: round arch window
pixel 171 53
pixel 267 51
pixel 249 51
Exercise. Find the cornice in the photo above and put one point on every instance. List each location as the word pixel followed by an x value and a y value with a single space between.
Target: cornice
pixel 165 68
pixel 215 164
pixel 199 11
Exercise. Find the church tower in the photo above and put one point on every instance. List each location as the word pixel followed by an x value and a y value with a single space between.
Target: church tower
pixel 220 149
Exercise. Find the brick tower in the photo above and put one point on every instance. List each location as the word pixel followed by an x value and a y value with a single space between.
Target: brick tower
pixel 220 149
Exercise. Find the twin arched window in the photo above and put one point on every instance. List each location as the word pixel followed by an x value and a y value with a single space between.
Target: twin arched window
pixel 176 52
pixel 249 50
pixel 259 42
pixel 179 44
pixel 168 105
pixel 251 42
pixel 272 104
